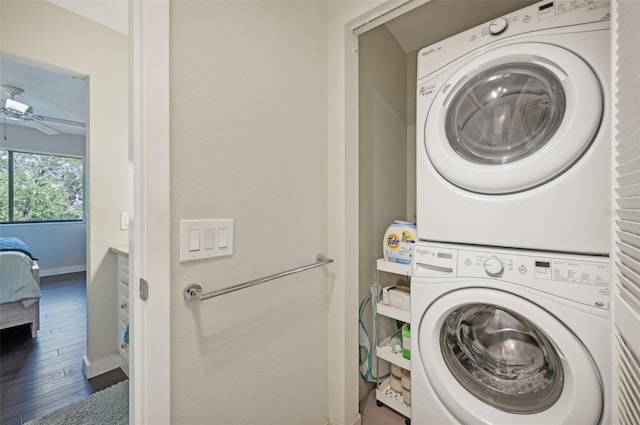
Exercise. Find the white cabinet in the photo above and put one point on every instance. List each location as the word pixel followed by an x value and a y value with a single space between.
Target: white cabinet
pixel 391 390
pixel 123 309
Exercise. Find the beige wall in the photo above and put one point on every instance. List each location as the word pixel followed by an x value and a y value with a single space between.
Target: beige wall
pixel 382 153
pixel 65 42
pixel 383 145
pixel 248 142
pixel 411 78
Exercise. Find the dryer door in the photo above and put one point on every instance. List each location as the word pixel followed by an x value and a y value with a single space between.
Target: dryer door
pixel 501 359
pixel 513 118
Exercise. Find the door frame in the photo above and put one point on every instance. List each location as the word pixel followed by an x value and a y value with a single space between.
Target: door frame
pixel 352 19
pixel 149 237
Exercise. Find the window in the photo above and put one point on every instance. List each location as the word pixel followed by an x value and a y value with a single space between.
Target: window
pixel 38 187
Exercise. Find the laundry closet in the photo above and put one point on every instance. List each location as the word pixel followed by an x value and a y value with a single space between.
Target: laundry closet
pixel 387 60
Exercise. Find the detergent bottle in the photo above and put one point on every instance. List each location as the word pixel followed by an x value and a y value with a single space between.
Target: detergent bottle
pixel 398 243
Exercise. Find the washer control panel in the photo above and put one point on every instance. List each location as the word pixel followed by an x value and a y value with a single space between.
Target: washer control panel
pixel 581 278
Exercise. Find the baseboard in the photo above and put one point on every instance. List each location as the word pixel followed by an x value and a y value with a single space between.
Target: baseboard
pixel 98 368
pixel 63 270
pixel 356 421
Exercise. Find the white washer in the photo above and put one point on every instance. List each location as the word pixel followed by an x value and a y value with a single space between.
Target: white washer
pixel 509 337
pixel 513 144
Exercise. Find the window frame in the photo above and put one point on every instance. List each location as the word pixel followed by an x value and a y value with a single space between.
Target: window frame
pixel 10 181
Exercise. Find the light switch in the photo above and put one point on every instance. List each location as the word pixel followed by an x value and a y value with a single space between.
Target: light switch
pixel 223 237
pixel 209 239
pixel 205 238
pixel 124 221
pixel 194 239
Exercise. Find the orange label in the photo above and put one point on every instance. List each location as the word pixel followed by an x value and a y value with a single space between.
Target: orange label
pixel 393 241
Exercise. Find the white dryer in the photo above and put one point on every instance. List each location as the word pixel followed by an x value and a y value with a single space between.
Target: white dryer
pixel 509 337
pixel 513 143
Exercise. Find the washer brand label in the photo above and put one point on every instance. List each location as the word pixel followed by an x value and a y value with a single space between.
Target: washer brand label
pixel 393 241
pixel 428 52
pixel 426 90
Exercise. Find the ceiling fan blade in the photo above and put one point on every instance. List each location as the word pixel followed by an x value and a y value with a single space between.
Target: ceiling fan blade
pixel 63 125
pixel 42 118
pixel 40 126
pixel 53 120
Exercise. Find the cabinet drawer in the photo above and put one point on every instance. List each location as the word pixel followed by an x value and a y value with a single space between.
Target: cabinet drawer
pixel 123 302
pixel 123 348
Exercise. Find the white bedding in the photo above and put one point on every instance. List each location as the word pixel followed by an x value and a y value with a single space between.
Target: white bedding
pixel 17 282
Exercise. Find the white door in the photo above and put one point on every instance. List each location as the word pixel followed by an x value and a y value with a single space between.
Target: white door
pixel 505 121
pixel 626 223
pixel 494 357
pixel 150 362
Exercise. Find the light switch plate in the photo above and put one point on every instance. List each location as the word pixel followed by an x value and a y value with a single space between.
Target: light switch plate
pixel 208 246
pixel 124 220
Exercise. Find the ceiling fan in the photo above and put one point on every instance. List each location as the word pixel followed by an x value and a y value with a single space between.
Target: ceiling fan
pixel 19 111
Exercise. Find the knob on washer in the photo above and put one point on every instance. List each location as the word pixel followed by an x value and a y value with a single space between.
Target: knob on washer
pixel 493 267
pixel 498 26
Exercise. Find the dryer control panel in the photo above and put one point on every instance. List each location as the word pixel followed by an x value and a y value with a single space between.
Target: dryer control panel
pixel 544 15
pixel 581 278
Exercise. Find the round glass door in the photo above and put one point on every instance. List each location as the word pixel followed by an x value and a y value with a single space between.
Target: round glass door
pixel 505 113
pixel 501 358
pixel 493 357
pixel 513 118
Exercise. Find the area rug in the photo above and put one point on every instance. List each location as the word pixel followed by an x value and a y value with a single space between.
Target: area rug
pixel 107 407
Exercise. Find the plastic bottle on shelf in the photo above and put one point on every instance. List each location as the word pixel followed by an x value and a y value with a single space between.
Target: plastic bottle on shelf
pixel 406 341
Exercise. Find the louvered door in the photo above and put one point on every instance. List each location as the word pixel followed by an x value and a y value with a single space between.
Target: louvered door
pixel 626 295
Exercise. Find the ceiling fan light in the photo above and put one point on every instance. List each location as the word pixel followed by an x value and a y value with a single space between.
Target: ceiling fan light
pixel 15 106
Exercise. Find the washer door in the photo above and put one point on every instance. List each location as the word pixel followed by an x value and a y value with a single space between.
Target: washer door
pixel 513 118
pixel 501 359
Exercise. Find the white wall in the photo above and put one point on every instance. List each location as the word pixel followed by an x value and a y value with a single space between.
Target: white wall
pixel 65 42
pixel 59 247
pixel 248 142
pixel 44 239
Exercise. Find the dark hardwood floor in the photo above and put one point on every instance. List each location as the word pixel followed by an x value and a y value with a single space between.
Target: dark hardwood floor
pixel 39 376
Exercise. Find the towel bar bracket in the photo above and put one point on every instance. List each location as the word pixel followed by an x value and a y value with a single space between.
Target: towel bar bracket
pixel 192 292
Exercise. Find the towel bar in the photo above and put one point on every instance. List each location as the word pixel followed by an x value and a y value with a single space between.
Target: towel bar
pixel 193 291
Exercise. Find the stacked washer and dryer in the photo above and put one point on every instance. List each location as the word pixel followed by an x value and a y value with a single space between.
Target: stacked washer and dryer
pixel 510 289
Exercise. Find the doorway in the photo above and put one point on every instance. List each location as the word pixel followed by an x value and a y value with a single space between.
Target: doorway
pixel 68 42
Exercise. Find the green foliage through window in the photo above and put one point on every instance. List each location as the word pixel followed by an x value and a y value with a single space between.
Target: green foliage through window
pixel 37 187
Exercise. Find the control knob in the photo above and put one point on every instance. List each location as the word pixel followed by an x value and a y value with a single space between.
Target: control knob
pixel 493 267
pixel 498 26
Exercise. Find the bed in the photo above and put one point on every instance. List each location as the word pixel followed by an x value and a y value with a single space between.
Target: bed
pixel 19 285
